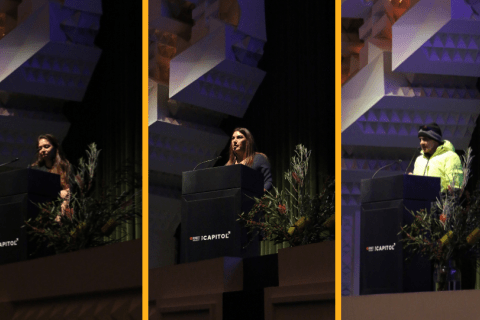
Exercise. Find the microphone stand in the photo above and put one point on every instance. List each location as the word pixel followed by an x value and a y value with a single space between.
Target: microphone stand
pixel 388 165
pixel 418 149
pixel 4 164
pixel 219 157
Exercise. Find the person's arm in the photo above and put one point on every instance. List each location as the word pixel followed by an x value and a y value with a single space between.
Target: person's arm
pixel 261 163
pixel 44 169
pixel 66 182
pixel 454 170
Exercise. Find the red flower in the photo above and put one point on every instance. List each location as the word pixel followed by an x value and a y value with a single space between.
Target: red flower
pixel 69 212
pixel 294 175
pixel 282 209
pixel 443 217
pixel 450 189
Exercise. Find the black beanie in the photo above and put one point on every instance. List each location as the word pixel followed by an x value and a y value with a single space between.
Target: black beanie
pixel 432 131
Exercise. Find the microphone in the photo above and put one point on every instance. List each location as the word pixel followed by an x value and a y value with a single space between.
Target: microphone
pixel 416 150
pixel 4 164
pixel 388 165
pixel 219 157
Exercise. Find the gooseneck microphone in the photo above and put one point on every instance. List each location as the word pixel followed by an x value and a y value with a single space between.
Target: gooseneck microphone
pixel 416 150
pixel 4 164
pixel 388 165
pixel 219 157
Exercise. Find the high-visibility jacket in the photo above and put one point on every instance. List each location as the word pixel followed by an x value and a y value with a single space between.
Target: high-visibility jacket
pixel 444 163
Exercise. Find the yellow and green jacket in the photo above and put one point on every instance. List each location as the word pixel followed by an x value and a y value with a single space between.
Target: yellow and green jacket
pixel 444 163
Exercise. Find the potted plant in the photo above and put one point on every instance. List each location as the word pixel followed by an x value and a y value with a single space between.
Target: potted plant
pixel 294 215
pixel 91 217
pixel 447 235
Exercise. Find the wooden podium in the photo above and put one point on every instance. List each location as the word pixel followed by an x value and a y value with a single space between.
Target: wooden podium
pixel 385 208
pixel 212 200
pixel 19 191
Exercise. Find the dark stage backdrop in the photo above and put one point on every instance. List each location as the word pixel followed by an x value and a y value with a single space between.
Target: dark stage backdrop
pixel 111 111
pixel 475 145
pixel 472 185
pixel 296 101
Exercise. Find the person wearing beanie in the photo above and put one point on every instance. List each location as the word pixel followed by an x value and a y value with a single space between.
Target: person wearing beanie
pixel 438 157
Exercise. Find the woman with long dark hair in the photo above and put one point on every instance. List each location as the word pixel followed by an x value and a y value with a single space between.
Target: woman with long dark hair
pixel 50 158
pixel 242 151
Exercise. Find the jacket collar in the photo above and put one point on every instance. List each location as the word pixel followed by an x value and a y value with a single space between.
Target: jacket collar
pixel 445 147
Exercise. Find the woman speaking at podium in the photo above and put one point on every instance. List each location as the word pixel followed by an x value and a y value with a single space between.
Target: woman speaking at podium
pixel 50 158
pixel 242 151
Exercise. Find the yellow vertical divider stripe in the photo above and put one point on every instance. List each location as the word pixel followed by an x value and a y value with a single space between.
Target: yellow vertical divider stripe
pixel 338 160
pixel 145 159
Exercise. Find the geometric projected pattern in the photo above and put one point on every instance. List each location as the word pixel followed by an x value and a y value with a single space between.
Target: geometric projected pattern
pixel 22 120
pixel 181 135
pixel 163 47
pixel 218 72
pixel 51 53
pixel 8 16
pixel 369 165
pixel 351 46
pixel 381 17
pixel 351 194
pixel 177 146
pixel 407 98
pixel 7 23
pixel 347 258
pixel 388 124
pixel 413 68
pixel 162 226
pixel 47 56
pixel 453 47
pixel 445 41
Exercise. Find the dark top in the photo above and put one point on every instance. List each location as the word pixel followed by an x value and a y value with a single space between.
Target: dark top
pixel 260 163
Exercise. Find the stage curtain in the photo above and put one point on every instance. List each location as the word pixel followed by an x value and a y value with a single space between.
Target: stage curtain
pixel 474 182
pixel 111 111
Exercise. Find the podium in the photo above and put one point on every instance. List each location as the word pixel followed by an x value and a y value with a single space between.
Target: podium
pixel 212 200
pixel 19 191
pixel 384 209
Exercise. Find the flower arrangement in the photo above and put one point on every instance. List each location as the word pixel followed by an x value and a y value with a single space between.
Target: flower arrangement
pixel 293 215
pixel 90 218
pixel 451 230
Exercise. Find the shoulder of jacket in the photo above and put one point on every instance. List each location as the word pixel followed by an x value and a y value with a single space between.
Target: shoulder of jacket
pixel 260 156
pixel 452 154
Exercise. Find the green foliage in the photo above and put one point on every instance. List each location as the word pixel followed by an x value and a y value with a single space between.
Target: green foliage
pixel 91 217
pixel 451 230
pixel 295 217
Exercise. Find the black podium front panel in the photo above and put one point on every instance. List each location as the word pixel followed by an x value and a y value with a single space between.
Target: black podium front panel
pixel 19 191
pixel 209 226
pixel 13 246
pixel 29 181
pixel 382 259
pixel 222 178
pixel 385 209
pixel 404 186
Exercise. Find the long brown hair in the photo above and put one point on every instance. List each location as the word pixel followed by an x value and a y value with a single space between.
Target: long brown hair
pixel 60 159
pixel 249 148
